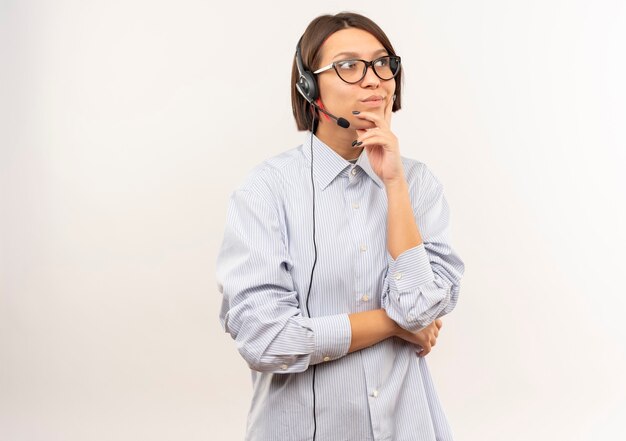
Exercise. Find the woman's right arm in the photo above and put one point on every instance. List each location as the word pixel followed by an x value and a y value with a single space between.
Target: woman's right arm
pixel 260 307
pixel 371 327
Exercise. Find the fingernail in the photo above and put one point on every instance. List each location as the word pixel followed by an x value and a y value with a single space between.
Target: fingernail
pixel 354 142
pixel 355 112
pixel 358 143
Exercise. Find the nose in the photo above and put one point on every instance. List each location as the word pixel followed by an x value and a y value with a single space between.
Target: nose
pixel 370 79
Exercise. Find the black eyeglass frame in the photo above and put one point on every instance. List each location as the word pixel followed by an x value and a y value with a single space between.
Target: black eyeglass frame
pixel 368 64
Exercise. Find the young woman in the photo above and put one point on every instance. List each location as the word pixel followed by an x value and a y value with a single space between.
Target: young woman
pixel 336 263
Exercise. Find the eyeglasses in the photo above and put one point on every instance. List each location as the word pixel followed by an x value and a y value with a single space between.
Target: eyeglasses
pixel 353 71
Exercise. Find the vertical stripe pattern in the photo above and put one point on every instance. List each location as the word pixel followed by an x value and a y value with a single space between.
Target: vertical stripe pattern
pixel 384 392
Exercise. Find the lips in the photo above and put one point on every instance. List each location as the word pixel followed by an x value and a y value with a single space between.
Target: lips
pixel 373 98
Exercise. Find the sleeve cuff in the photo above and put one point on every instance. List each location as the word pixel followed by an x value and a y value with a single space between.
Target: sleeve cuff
pixel 411 269
pixel 333 336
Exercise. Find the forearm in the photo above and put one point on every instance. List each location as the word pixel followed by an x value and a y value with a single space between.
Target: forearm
pixel 423 277
pixel 370 327
pixel 402 231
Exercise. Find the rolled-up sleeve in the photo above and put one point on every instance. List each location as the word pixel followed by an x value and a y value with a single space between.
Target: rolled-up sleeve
pixel 423 283
pixel 260 307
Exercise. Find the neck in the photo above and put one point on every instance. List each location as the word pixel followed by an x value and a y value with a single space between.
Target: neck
pixel 338 139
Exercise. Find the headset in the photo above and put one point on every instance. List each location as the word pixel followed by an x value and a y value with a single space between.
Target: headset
pixel 307 87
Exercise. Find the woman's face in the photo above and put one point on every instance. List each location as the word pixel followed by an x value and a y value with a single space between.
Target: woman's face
pixel 341 98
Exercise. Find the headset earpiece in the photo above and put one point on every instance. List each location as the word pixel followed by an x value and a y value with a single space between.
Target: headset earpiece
pixel 306 84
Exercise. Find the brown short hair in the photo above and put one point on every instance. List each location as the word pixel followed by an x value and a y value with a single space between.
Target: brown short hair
pixel 314 36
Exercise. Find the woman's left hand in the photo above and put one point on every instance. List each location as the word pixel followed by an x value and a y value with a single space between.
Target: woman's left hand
pixel 382 146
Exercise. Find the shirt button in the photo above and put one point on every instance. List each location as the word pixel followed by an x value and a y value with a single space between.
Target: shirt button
pixel 374 393
pixel 284 367
pixel 365 298
pixel 355 205
pixel 353 171
pixel 398 276
pixel 327 358
pixel 364 248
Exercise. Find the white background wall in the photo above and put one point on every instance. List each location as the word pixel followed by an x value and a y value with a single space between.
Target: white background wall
pixel 125 125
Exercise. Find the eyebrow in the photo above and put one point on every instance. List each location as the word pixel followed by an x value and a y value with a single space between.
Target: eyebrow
pixel 354 54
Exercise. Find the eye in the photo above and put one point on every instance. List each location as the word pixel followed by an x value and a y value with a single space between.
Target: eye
pixel 347 64
pixel 382 62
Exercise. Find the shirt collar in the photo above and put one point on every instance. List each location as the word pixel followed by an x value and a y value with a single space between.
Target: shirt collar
pixel 327 164
pixel 364 163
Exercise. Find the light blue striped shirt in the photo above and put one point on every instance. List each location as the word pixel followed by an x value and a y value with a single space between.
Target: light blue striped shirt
pixel 384 392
